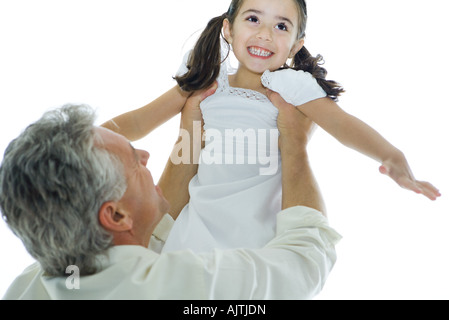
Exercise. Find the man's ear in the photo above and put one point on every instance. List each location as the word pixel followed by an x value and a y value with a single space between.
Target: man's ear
pixel 296 47
pixel 227 32
pixel 112 220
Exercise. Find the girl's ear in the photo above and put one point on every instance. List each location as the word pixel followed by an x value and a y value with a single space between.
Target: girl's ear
pixel 227 32
pixel 112 220
pixel 296 47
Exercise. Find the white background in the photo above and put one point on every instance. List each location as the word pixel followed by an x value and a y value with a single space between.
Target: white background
pixel 390 55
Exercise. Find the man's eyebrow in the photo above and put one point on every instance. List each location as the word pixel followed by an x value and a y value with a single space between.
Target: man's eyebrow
pixel 262 13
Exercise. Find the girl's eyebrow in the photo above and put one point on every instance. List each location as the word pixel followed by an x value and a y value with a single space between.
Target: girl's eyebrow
pixel 262 13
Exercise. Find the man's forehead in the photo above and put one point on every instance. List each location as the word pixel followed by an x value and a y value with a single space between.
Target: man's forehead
pixel 106 137
pixel 115 143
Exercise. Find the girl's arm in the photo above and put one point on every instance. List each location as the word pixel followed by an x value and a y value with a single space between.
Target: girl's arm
pixel 357 135
pixel 138 123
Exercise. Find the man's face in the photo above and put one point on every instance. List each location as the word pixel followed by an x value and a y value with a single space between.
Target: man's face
pixel 143 200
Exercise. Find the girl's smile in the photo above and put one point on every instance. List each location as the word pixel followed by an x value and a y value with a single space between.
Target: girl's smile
pixel 259 52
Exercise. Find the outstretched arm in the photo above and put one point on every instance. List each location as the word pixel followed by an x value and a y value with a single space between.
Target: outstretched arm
pixel 357 135
pixel 138 123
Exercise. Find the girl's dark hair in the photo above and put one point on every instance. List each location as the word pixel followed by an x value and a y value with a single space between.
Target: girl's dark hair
pixel 205 59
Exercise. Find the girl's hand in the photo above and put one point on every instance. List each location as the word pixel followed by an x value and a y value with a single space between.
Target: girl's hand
pixel 399 170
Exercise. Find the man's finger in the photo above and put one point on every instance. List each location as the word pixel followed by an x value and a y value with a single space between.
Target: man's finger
pixel 209 92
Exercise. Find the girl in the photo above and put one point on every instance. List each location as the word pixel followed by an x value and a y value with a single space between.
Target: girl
pixel 234 204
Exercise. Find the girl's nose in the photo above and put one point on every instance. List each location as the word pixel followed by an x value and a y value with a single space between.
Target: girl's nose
pixel 264 34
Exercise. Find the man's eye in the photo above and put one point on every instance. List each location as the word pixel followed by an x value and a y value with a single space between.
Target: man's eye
pixel 282 27
pixel 253 19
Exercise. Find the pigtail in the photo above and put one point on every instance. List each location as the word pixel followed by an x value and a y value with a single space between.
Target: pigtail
pixel 205 59
pixel 303 60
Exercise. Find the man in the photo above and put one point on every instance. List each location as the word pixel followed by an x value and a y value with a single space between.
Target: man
pixel 85 206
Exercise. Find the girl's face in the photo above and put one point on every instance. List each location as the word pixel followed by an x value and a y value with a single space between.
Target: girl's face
pixel 264 34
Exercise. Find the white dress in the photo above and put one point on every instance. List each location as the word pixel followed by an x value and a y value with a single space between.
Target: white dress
pixel 236 195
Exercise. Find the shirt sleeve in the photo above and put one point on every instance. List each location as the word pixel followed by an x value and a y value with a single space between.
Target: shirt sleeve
pixel 296 87
pixel 294 265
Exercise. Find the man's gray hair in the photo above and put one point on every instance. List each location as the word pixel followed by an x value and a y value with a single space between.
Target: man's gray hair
pixel 53 180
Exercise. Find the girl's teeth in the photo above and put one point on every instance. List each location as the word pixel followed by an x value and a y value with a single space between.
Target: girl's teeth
pixel 259 52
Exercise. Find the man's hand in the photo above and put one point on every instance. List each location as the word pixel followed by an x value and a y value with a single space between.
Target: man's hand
pixel 176 178
pixel 299 187
pixel 295 128
pixel 191 111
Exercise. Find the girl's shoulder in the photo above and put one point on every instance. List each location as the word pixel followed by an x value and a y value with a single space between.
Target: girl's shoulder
pixel 295 86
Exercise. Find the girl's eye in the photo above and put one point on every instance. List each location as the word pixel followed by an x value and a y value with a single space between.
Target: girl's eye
pixel 253 19
pixel 282 27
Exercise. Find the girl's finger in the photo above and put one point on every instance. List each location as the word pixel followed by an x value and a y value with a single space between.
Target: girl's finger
pixel 429 190
pixel 383 170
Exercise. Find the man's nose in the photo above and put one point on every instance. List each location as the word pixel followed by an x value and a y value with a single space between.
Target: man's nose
pixel 144 157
